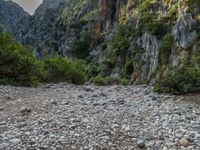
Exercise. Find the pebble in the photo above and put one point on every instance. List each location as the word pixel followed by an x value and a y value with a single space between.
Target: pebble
pixel 65 116
pixel 141 144
pixel 25 110
pixel 184 142
pixel 15 141
pixel 4 145
pixel 2 109
pixel 2 123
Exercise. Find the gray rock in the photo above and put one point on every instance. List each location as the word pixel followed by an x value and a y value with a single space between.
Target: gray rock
pixel 2 123
pixel 141 144
pixel 15 141
pixel 4 145
pixel 184 142
pixel 25 110
pixel 2 108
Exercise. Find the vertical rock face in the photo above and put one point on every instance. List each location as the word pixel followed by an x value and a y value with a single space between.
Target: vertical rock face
pixel 60 27
pixel 184 31
pixel 150 56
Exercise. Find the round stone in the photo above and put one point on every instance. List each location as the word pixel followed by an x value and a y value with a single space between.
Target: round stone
pixel 184 142
pixel 141 144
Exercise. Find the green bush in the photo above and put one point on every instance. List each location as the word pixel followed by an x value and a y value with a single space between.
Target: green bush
pixel 184 80
pixel 145 5
pixel 93 70
pixel 103 81
pixel 81 47
pixel 120 44
pixel 18 64
pixel 64 70
pixel 156 26
pixel 193 4
pixel 124 82
pixel 165 47
pixel 105 67
pixel 127 70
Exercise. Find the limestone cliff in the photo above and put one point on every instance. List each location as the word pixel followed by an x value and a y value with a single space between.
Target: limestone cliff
pixel 140 40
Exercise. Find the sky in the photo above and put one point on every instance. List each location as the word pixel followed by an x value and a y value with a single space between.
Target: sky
pixel 29 5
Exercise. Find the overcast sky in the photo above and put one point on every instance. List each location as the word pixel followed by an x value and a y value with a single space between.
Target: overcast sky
pixel 29 5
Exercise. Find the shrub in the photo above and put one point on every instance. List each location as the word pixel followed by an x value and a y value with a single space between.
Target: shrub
pixel 93 70
pixel 81 47
pixel 192 4
pixel 165 47
pixel 127 70
pixel 124 82
pixel 103 81
pixel 63 70
pixel 18 64
pixel 120 44
pixel 105 67
pixel 154 25
pixel 145 6
pixel 184 80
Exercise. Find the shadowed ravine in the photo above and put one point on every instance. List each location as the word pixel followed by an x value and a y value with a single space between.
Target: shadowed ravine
pixel 64 116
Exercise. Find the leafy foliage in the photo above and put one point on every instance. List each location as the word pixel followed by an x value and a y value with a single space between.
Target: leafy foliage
pixel 81 47
pixel 149 21
pixel 145 5
pixel 63 70
pixel 120 44
pixel 19 66
pixel 184 80
pixel 192 4
pixel 102 81
pixel 165 47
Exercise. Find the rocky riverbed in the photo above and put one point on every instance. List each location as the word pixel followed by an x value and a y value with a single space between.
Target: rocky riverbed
pixel 70 117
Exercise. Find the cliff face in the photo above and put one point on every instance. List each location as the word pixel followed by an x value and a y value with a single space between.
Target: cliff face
pixel 140 40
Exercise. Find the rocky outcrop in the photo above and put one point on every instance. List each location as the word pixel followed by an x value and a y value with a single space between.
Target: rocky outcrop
pixel 150 56
pixel 59 27
pixel 184 31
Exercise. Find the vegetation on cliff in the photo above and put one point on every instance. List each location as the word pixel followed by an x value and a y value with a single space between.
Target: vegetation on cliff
pixel 119 42
pixel 19 66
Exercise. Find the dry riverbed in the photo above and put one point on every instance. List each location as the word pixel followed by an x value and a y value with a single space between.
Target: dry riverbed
pixel 70 117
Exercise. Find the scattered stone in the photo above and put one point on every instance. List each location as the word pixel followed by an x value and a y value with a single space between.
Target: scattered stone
pixel 54 102
pixel 25 110
pixel 80 96
pixel 110 117
pixel 9 98
pixel 141 144
pixel 103 94
pixel 2 108
pixel 4 145
pixel 184 142
pixel 87 89
pixel 15 141
pixel 154 98
pixel 95 95
pixel 121 102
pixel 2 123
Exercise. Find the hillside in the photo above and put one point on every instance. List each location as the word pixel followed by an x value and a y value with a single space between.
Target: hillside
pixel 11 14
pixel 140 41
pixel 100 75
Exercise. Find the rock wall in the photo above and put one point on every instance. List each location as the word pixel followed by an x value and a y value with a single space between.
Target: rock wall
pixel 58 25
